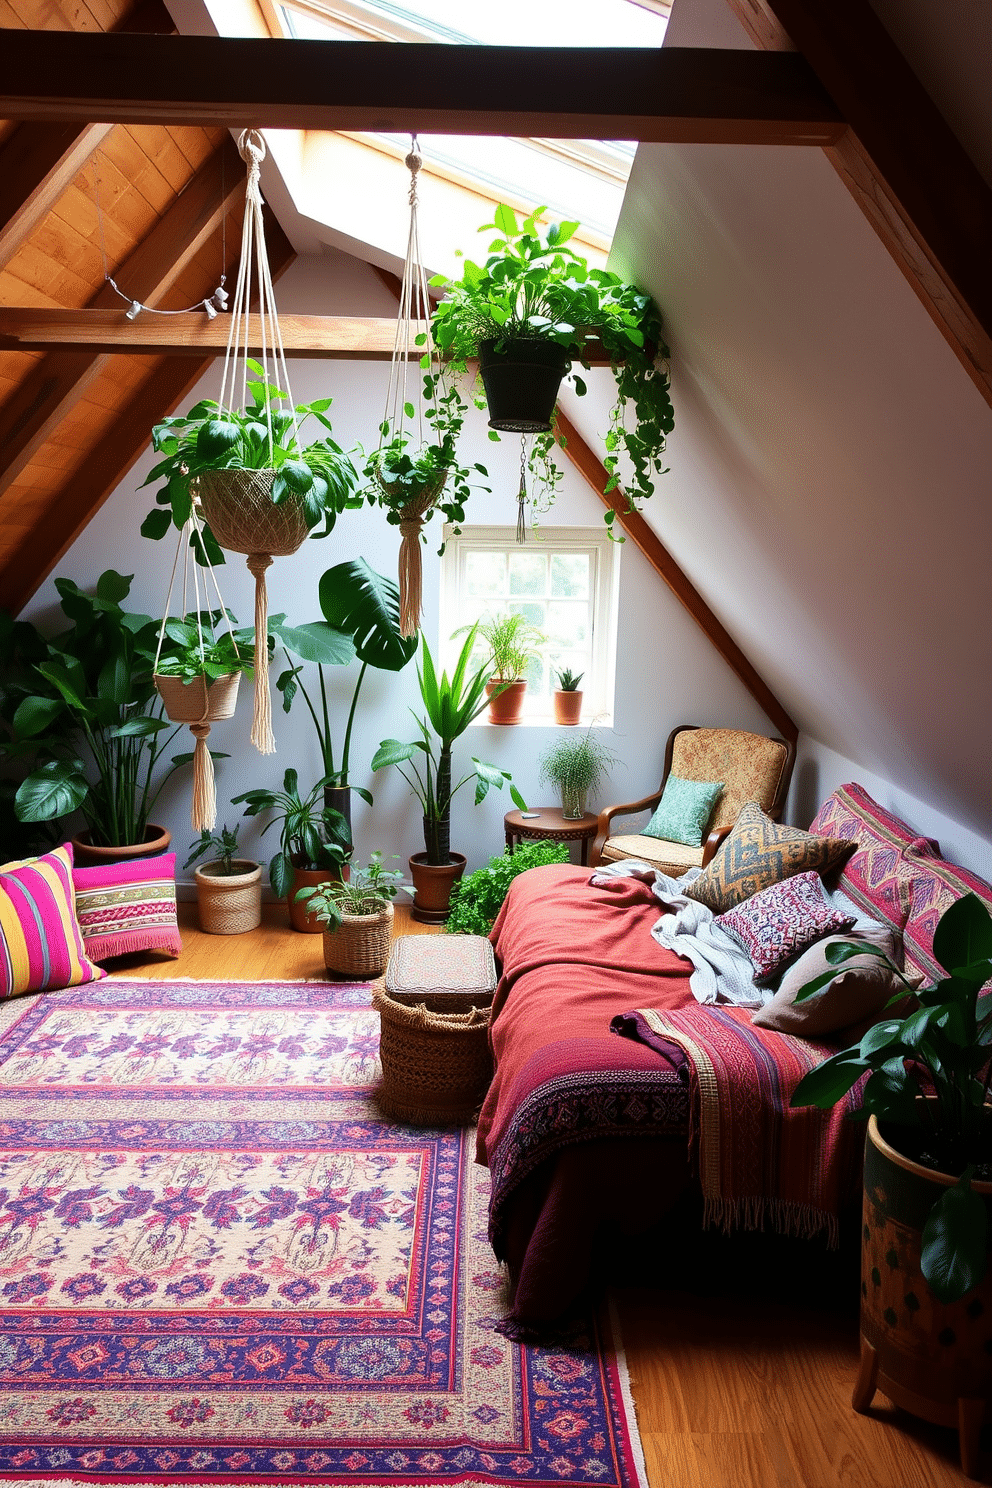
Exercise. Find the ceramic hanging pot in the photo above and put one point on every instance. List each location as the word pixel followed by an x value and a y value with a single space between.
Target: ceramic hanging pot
pixel 521 380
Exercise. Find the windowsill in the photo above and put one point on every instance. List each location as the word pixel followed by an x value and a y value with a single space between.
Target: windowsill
pixel 545 721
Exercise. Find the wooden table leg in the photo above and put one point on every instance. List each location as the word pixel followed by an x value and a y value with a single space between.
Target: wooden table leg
pixel 584 853
pixel 510 839
pixel 970 1414
pixel 864 1385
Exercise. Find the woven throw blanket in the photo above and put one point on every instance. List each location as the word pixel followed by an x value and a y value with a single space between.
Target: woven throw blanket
pixel 760 1162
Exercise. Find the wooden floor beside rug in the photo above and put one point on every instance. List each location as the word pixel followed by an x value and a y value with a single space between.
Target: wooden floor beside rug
pixel 741 1395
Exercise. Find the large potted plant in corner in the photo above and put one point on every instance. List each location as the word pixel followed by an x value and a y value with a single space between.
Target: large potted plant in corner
pixel 528 313
pixel 84 724
pixel 314 842
pixel 450 706
pixel 357 919
pixel 228 888
pixel 926 1292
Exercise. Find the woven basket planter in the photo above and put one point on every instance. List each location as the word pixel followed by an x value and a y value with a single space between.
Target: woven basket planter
pixel 239 507
pixel 436 1067
pixel 359 947
pixel 229 903
pixel 197 700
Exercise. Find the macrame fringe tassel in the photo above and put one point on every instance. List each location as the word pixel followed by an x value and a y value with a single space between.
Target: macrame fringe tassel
pixel 411 577
pixel 261 727
pixel 204 812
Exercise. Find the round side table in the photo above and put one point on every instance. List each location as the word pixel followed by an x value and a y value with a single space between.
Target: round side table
pixel 548 822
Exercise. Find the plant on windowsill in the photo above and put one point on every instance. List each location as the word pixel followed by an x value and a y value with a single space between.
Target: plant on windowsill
pixel 527 314
pixel 314 841
pixel 928 1172
pixel 356 918
pixel 566 697
pixel 575 767
pixel 513 643
pixel 450 706
pixel 228 888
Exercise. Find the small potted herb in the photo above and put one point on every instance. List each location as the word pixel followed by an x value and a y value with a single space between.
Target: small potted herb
pixel 228 888
pixel 575 767
pixel 356 918
pixel 567 697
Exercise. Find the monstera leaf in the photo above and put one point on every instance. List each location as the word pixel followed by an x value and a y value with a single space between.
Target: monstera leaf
pixel 365 604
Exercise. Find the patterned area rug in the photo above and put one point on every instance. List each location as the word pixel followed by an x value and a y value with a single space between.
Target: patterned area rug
pixel 219 1265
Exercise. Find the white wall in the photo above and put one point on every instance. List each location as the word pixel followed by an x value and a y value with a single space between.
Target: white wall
pixel 666 673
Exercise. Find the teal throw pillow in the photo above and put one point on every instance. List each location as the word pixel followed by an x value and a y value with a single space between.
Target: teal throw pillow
pixel 684 810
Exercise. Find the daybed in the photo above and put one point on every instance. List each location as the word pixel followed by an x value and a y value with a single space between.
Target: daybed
pixel 587 1132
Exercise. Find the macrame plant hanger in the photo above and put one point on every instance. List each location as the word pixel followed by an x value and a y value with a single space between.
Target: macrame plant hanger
pixel 238 503
pixel 199 702
pixel 412 322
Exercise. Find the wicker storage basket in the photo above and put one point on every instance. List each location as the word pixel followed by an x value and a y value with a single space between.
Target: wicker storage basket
pixel 436 1067
pixel 197 701
pixel 359 946
pixel 229 903
pixel 243 518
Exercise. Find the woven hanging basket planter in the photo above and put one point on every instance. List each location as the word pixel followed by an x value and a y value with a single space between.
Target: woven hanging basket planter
pixel 196 700
pixel 358 948
pixel 436 1067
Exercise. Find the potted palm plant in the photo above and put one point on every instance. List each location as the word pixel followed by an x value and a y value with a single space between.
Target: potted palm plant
pixel 926 1279
pixel 450 706
pixel 228 888
pixel 528 312
pixel 575 767
pixel 357 918
pixel 84 723
pixel 513 641
pixel 314 842
pixel 566 696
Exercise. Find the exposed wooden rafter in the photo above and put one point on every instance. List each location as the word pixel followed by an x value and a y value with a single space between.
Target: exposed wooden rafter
pixel 688 95
pixel 60 379
pixel 901 162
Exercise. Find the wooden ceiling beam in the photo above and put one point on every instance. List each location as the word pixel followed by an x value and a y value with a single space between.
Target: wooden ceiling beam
pixel 900 160
pixel 591 468
pixel 59 381
pixel 105 466
pixel 687 95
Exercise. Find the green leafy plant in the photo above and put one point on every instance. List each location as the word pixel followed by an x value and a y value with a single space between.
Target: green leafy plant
pixel 536 287
pixel 191 650
pixel 575 765
pixel 512 642
pixel 311 835
pixel 262 436
pixel 81 715
pixel 929 1080
pixel 477 900
pixel 366 893
pixel 450 706
pixel 568 681
pixel 222 847
pixel 361 622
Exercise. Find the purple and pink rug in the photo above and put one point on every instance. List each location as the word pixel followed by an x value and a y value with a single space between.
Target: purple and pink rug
pixel 218 1265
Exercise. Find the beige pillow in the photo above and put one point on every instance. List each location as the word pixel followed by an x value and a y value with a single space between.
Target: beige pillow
pixel 853 1000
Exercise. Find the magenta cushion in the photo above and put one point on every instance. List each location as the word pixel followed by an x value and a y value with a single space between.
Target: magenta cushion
pixel 778 923
pixel 41 947
pixel 130 906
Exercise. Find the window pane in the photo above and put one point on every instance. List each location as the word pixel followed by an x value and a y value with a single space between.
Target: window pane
pixel 485 573
pixel 528 573
pixel 567 624
pixel 570 575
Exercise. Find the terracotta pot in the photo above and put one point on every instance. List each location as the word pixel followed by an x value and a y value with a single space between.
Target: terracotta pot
pixel 568 706
pixel 433 883
pixel 299 916
pixel 229 903
pixel 506 701
pixel 359 946
pixel 929 1357
pixel 85 852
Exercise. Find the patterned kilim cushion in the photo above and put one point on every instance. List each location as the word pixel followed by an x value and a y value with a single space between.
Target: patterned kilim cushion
pixel 41 948
pixel 877 876
pixel 778 923
pixel 759 852
pixel 124 907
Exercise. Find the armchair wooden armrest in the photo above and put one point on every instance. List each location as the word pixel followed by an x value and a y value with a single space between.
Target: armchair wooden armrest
pixel 714 840
pixel 626 808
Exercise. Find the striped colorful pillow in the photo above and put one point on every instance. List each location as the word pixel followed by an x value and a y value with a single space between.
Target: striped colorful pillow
pixel 41 946
pixel 130 906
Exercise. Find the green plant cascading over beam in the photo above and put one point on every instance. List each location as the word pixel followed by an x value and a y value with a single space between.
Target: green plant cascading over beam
pixel 536 287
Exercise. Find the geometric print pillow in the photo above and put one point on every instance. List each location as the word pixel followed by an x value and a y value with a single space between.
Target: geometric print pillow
pixel 127 907
pixel 759 852
pixel 777 924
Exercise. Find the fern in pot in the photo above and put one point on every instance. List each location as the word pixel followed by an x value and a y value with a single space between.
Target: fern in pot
pixel 575 766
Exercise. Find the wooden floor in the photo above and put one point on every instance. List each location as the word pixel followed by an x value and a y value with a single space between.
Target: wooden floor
pixel 733 1388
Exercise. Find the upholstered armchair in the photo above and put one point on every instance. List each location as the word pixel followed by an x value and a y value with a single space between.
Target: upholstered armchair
pixel 752 768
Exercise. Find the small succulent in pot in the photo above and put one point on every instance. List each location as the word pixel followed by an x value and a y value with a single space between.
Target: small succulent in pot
pixel 568 681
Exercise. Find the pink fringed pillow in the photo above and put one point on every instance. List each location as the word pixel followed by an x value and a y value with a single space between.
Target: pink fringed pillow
pixel 124 907
pixel 41 947
pixel 778 923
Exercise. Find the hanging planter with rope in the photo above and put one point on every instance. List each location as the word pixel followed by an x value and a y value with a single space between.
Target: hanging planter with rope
pixel 415 470
pixel 241 459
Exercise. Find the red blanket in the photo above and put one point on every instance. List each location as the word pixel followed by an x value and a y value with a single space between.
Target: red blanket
pixel 758 1159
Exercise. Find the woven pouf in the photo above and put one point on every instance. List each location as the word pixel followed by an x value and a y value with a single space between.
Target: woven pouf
pixel 434 1014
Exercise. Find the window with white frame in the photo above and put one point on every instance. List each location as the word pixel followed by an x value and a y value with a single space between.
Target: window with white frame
pixel 565 580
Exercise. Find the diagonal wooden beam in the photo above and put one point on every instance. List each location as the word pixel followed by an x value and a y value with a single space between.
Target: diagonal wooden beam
pixel 687 95
pixel 901 162
pixel 60 380
pixel 38 161
pixel 591 468
pixel 106 465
